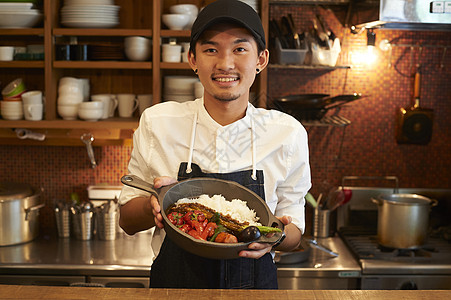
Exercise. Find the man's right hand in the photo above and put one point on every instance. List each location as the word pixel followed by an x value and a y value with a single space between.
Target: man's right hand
pixel 156 209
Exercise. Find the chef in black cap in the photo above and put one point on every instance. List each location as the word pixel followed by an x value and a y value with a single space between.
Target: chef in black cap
pixel 221 135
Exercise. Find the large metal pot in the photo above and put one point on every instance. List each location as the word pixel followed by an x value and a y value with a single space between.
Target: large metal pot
pixel 403 220
pixel 19 211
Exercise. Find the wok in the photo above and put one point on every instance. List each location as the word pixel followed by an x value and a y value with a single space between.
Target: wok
pixel 312 106
pixel 193 188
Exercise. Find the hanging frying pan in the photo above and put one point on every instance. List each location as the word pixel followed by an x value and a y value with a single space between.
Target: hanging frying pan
pixel 415 123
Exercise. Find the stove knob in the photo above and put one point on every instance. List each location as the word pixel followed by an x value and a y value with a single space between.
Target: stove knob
pixel 410 285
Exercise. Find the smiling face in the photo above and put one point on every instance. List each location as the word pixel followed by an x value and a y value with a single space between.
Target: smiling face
pixel 227 58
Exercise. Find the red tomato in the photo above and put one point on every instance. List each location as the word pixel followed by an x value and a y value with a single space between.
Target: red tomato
pixel 185 228
pixel 176 218
pixel 209 230
pixel 195 234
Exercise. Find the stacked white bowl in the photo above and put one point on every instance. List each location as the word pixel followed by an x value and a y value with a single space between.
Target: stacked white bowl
pixel 70 95
pixel 137 48
pixel 11 110
pixel 185 9
pixel 90 111
pixel 18 15
pixel 179 88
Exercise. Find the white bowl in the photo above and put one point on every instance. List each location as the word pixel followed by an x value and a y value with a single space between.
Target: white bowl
pixel 189 9
pixel 176 21
pixel 137 53
pixel 12 116
pixel 19 19
pixel 91 105
pixel 136 41
pixel 68 112
pixel 70 99
pixel 90 114
pixel 179 85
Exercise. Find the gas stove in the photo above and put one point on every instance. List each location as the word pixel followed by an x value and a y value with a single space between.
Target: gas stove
pixel 426 267
pixel 434 257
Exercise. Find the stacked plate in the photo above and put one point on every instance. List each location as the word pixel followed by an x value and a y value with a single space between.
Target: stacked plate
pixel 90 14
pixel 179 88
pixel 252 3
pixel 19 15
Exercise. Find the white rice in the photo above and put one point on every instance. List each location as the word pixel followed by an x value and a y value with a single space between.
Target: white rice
pixel 236 209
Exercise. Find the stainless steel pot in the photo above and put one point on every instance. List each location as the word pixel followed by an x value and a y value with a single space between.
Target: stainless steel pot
pixel 19 211
pixel 403 220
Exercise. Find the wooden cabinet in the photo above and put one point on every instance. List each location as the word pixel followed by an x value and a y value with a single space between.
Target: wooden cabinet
pixel 137 18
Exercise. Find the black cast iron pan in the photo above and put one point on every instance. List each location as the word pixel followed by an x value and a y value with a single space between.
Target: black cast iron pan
pixel 193 188
pixel 312 106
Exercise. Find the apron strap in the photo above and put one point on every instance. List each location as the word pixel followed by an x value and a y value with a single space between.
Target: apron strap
pixel 191 146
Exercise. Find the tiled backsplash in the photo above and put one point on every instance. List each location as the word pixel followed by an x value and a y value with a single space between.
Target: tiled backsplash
pixel 366 147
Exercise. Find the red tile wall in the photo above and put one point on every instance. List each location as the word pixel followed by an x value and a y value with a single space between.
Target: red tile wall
pixel 366 147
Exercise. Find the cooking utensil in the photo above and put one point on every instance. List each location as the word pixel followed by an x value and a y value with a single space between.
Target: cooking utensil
pixel 312 106
pixel 403 220
pixel 415 123
pixel 277 33
pixel 296 256
pixel 288 32
pixel 296 36
pixel 87 139
pixel 193 188
pixel 314 243
pixel 19 213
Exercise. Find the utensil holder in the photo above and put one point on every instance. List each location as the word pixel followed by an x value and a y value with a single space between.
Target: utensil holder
pixel 106 225
pixel 322 223
pixel 82 225
pixel 63 222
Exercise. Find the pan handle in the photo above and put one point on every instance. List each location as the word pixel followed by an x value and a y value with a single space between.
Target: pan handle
pixel 276 238
pixel 136 182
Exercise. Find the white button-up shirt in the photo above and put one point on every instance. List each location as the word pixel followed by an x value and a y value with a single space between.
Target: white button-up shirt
pixel 162 141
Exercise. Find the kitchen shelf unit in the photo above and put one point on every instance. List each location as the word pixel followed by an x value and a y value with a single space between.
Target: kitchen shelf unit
pixel 137 18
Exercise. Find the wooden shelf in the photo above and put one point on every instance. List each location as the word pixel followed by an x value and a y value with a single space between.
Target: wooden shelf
pixel 104 64
pixel 112 123
pixel 22 31
pixel 168 65
pixel 175 33
pixel 101 32
pixel 29 64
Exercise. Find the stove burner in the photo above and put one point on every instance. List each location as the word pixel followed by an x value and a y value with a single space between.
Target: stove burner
pixel 364 245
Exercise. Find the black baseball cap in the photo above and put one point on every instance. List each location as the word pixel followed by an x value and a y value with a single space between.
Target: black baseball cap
pixel 228 10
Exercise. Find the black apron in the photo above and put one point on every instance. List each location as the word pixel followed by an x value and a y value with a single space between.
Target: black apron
pixel 176 268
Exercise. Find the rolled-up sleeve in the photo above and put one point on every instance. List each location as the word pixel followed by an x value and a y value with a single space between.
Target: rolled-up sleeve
pixel 297 183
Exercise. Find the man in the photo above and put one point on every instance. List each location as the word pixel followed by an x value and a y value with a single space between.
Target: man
pixel 223 136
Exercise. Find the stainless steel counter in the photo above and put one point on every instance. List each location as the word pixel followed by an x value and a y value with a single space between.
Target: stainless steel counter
pixel 126 256
pixel 322 270
pixel 131 256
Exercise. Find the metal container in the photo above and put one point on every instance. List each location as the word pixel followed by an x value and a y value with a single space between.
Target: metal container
pixel 107 221
pixel 62 216
pixel 19 213
pixel 323 225
pixel 403 220
pixel 82 218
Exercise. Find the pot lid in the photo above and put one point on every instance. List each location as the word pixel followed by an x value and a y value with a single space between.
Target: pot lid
pixel 14 190
pixel 406 199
